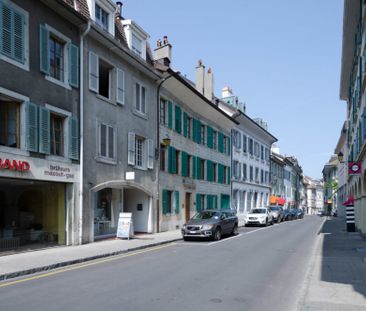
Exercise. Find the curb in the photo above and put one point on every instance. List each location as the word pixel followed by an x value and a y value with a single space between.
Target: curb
pixel 12 275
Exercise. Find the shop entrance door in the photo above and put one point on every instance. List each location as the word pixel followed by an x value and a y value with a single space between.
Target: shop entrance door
pixel 188 206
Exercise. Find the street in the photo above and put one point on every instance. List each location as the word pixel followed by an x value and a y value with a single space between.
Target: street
pixel 259 269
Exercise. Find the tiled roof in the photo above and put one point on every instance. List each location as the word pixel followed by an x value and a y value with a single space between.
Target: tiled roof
pixel 79 5
pixel 120 33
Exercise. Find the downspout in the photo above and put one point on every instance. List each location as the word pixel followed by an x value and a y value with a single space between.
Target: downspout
pixel 81 192
pixel 158 148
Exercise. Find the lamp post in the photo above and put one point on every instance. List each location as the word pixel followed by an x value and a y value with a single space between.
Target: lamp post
pixel 340 157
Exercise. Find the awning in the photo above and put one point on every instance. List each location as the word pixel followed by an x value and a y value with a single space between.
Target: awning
pixel 273 200
pixel 349 201
pixel 281 201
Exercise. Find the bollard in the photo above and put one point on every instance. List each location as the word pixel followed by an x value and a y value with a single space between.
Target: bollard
pixel 350 218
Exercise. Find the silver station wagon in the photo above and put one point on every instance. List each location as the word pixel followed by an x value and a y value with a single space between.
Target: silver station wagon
pixel 211 224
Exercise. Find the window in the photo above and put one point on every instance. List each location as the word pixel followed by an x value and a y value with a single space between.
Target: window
pixel 202 201
pixel 266 178
pixel 225 144
pixel 262 176
pixel 177 155
pixel 162 157
pixel 236 139
pixel 244 171
pixel 57 135
pixel 139 151
pixel 203 134
pixel 136 45
pixel 163 108
pixel 225 175
pixel 101 17
pixel 107 142
pixel 140 98
pixel 214 174
pixel 59 58
pixel 250 146
pixel 214 140
pixel 262 152
pixel 9 124
pixel 251 173
pixel 202 169
pixel 104 78
pixel 169 202
pixel 256 174
pixel 14 35
pixel 244 143
pixel 256 149
pixel 189 173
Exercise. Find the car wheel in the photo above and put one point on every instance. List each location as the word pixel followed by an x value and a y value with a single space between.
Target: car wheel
pixel 185 238
pixel 235 230
pixel 272 222
pixel 266 224
pixel 217 234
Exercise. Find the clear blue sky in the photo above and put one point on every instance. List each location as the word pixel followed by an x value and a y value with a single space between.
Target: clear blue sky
pixel 280 57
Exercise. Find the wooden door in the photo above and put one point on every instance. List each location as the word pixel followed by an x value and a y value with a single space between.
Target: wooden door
pixel 188 206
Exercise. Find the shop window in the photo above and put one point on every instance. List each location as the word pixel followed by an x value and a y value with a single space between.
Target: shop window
pixel 106 213
pixel 9 124
pixel 57 135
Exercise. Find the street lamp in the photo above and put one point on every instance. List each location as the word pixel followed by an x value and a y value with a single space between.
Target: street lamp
pixel 340 157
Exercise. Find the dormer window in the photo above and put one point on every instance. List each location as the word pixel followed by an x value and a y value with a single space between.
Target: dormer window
pixel 136 38
pixel 101 17
pixel 136 45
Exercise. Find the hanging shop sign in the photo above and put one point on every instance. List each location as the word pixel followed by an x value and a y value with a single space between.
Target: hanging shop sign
pixel 14 165
pixel 354 168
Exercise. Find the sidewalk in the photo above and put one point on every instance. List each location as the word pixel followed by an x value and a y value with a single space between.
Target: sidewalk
pixel 336 279
pixel 46 259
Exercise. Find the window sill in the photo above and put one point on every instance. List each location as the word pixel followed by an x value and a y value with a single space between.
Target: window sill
pixel 58 159
pixel 105 99
pixel 15 151
pixel 141 168
pixel 58 82
pixel 140 114
pixel 106 161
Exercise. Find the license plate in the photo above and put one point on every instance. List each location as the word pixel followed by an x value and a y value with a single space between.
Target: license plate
pixel 192 231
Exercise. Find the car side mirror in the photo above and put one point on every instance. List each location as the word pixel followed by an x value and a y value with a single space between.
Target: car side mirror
pixel 223 217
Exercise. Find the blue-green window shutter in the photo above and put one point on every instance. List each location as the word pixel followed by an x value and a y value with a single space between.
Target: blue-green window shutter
pixel 198 174
pixel 220 174
pixel 228 145
pixel 198 202
pixel 73 138
pixel 194 170
pixel 215 204
pixel 44 130
pixel 198 131
pixel 172 167
pixel 220 142
pixel 44 50
pixel 194 134
pixel 73 65
pixel 170 114
pixel 31 125
pixel 185 124
pixel 228 175
pixel 209 137
pixel 209 166
pixel 184 157
pixel 165 202
pixel 178 119
pixel 209 201
pixel 176 202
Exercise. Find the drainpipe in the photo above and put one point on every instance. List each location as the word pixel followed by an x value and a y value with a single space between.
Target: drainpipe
pixel 158 147
pixel 81 192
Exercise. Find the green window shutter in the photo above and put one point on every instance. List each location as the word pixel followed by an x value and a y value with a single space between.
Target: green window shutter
pixel 185 124
pixel 220 142
pixel 31 124
pixel 198 173
pixel 199 132
pixel 178 119
pixel 209 137
pixel 228 176
pixel 184 156
pixel 73 65
pixel 73 138
pixel 165 202
pixel 220 173
pixel 170 114
pixel 172 160
pixel 44 130
pixel 215 205
pixel 198 202
pixel 228 145
pixel 177 202
pixel 209 201
pixel 194 136
pixel 44 50
pixel 194 170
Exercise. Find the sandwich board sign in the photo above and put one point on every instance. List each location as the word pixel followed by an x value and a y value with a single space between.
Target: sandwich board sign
pixel 125 226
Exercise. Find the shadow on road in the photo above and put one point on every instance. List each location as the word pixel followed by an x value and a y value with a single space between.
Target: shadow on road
pixel 341 262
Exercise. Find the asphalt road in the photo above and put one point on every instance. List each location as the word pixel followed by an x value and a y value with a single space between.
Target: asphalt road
pixel 259 269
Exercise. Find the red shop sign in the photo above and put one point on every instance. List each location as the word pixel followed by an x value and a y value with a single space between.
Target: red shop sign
pixel 14 165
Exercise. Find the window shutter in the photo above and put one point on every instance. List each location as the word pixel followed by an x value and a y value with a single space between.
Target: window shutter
pixel 184 156
pixel 220 173
pixel 131 148
pixel 73 65
pixel 209 201
pixel 6 30
pixel 209 137
pixel 44 50
pixel 150 154
pixel 170 114
pixel 73 138
pixel 93 72
pixel 194 170
pixel 44 130
pixel 199 132
pixel 120 96
pixel 228 176
pixel 178 119
pixel 31 124
pixel 177 202
pixel 220 142
pixel 228 145
pixel 165 202
pixel 198 202
pixel 171 160
pixel 19 38
pixel 194 136
pixel 209 165
pixel 198 174
pixel 185 124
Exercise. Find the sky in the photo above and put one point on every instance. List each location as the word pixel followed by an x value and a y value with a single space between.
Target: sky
pixel 282 58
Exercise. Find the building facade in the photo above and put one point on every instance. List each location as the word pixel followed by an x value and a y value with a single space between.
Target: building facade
pixel 277 179
pixel 330 178
pixel 39 124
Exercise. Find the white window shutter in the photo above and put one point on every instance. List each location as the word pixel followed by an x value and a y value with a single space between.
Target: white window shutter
pixel 120 96
pixel 150 154
pixel 131 148
pixel 93 72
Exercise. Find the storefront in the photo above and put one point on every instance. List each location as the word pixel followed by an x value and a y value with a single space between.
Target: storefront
pixel 37 200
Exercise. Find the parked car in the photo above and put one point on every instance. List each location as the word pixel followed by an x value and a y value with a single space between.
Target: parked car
pixel 320 213
pixel 300 213
pixel 287 215
pixel 277 212
pixel 293 212
pixel 211 224
pixel 259 216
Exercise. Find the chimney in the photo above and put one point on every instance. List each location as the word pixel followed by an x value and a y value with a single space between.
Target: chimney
pixel 209 85
pixel 118 12
pixel 226 92
pixel 200 77
pixel 163 52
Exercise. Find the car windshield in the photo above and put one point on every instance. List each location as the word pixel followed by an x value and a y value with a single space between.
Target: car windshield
pixel 205 215
pixel 274 208
pixel 258 211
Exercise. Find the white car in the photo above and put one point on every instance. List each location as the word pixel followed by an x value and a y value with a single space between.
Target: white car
pixel 259 216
